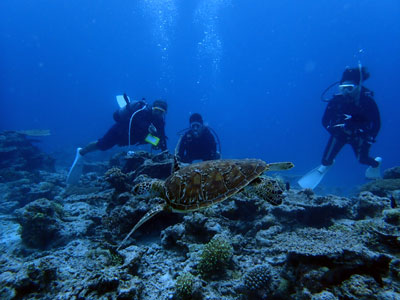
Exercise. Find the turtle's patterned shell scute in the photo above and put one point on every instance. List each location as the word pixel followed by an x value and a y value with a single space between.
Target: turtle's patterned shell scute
pixel 202 184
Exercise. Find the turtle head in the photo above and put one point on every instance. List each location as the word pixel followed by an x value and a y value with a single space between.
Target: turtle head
pixel 280 166
pixel 154 188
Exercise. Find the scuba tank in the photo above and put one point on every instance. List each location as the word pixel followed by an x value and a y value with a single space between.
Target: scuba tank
pixel 124 113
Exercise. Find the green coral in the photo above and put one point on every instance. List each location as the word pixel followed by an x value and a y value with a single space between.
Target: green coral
pixel 263 282
pixel 184 286
pixel 257 278
pixel 105 257
pixel 40 223
pixel 215 257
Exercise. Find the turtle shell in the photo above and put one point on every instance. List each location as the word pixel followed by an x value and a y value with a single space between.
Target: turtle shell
pixel 202 184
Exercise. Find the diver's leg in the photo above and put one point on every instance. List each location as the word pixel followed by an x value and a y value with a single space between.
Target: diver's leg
pixel 93 146
pixel 332 149
pixel 361 149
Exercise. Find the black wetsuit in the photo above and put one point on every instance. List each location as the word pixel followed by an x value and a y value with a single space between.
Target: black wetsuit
pixel 118 133
pixel 203 147
pixel 349 123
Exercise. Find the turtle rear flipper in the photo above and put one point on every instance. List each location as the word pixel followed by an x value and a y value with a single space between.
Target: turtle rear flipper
pixel 279 166
pixel 151 213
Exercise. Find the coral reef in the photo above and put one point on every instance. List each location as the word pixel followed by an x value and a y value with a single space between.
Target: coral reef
pixel 187 287
pixel 392 216
pixel 215 257
pixel 40 223
pixel 141 163
pixel 38 278
pixel 261 282
pixel 382 187
pixel 60 243
pixel 392 173
pixel 17 153
pixel 117 179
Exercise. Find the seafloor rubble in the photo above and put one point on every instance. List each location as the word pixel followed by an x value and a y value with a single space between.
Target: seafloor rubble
pixel 60 242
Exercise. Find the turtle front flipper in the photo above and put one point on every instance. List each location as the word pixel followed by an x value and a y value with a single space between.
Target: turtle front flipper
pixel 280 166
pixel 269 190
pixel 151 213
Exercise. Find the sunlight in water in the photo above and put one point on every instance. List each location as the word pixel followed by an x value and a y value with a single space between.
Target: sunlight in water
pixel 162 14
pixel 210 47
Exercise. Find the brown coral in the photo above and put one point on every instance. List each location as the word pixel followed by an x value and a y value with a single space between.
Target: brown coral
pixel 117 179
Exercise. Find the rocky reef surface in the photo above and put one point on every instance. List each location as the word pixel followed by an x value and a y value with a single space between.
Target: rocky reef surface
pixel 59 242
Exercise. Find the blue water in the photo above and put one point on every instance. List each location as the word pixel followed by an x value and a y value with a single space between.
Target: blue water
pixel 254 69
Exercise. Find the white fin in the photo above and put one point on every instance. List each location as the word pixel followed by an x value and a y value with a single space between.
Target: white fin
pixel 374 173
pixel 76 169
pixel 314 177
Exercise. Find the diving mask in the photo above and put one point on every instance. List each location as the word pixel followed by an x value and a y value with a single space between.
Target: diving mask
pixel 158 111
pixel 349 89
pixel 195 126
pixel 156 108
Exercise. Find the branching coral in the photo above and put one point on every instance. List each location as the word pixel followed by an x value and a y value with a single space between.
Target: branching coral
pixel 215 257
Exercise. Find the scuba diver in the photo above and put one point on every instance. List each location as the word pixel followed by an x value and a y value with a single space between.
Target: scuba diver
pixel 199 142
pixel 135 123
pixel 351 117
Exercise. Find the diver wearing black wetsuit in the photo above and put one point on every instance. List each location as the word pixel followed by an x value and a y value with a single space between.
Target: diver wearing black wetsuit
pixel 197 143
pixel 352 118
pixel 135 123
pixel 146 120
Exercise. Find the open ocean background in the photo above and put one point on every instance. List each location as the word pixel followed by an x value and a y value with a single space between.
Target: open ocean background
pixel 254 69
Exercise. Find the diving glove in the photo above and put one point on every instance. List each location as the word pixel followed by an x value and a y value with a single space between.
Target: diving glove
pixel 152 129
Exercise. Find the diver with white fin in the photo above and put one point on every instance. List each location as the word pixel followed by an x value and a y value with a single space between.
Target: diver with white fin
pixel 136 122
pixel 351 117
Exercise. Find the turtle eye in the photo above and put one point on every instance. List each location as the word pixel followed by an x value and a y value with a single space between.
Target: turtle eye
pixel 136 189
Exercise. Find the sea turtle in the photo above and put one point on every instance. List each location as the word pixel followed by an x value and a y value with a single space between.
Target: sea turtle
pixel 203 184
